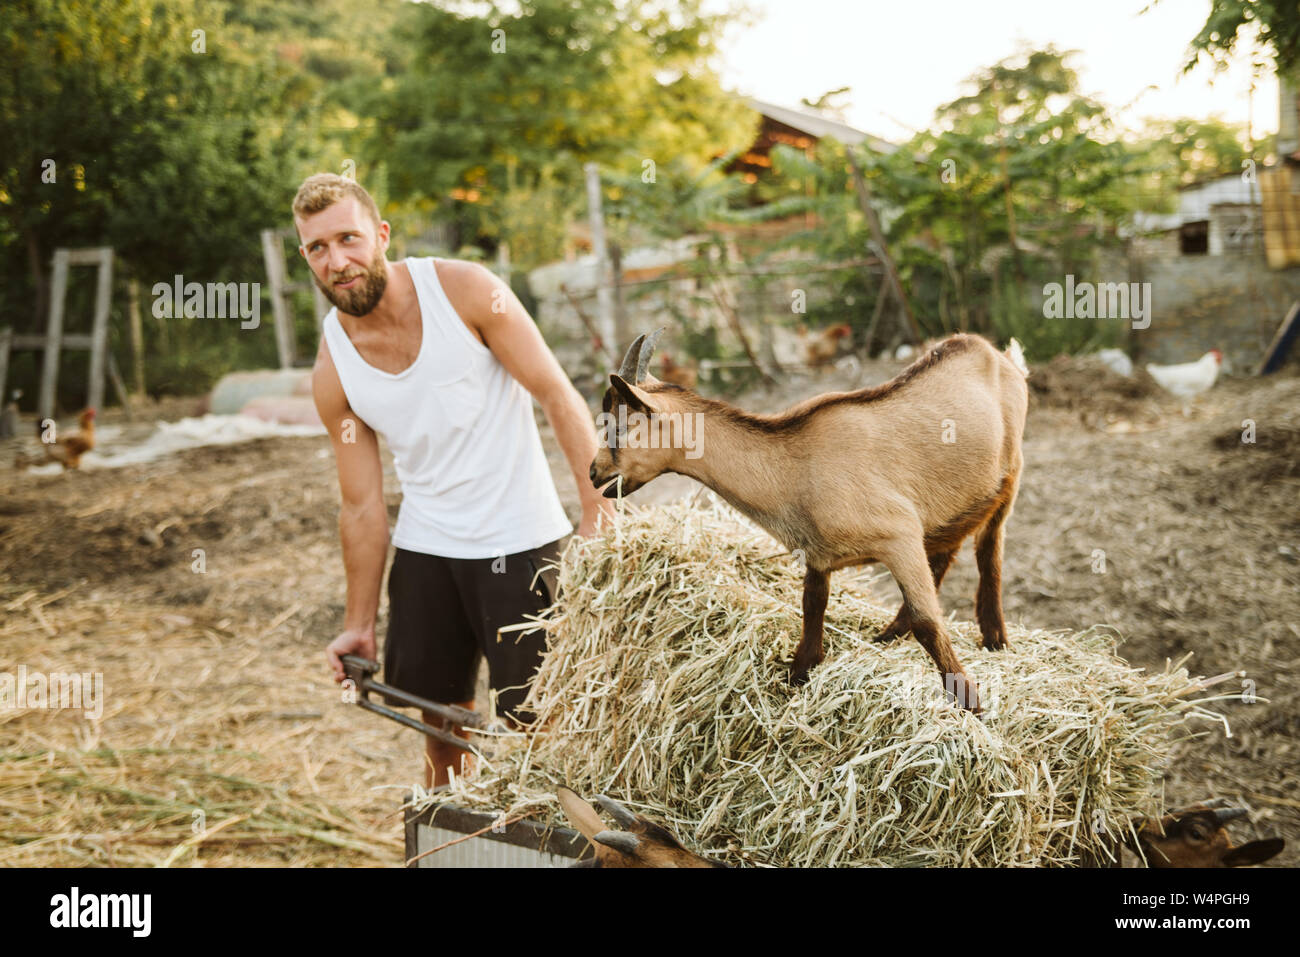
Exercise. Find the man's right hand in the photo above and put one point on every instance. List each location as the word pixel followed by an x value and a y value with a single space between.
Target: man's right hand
pixel 354 641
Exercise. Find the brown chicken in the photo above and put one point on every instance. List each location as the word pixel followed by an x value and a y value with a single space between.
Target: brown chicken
pixel 823 347
pixel 67 450
pixel 669 371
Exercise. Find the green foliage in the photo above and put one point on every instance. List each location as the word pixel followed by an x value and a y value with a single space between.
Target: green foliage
pixel 535 215
pixel 158 149
pixel 682 199
pixel 173 147
pixel 1195 149
pixel 819 189
pixel 1178 152
pixel 480 107
pixel 154 147
pixel 1274 24
pixel 481 115
pixel 1023 156
pixel 178 156
pixel 1016 312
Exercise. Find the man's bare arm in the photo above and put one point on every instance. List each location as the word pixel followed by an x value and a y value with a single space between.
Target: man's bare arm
pixel 363 519
pixel 495 313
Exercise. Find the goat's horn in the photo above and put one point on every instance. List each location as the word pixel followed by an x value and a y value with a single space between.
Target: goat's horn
pixel 618 812
pixel 647 350
pixel 628 369
pixel 618 840
pixel 1225 814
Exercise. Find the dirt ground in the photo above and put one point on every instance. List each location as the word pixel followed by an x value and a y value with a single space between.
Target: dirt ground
pixel 223 739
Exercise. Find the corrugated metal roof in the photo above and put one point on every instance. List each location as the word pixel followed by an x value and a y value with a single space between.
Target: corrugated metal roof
pixel 1195 202
pixel 816 125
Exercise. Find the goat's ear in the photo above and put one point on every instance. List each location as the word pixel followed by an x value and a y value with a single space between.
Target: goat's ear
pixel 630 394
pixel 580 814
pixel 1256 852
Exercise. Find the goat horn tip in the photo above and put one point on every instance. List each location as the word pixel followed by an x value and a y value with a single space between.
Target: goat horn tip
pixel 616 810
pixel 630 358
pixel 1225 814
pixel 618 840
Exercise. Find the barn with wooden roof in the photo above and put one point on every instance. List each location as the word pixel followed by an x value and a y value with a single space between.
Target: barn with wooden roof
pixel 799 129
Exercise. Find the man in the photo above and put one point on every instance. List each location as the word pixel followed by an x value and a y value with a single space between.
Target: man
pixel 440 358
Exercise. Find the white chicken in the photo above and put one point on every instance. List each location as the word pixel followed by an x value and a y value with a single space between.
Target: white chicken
pixel 1116 360
pixel 1189 378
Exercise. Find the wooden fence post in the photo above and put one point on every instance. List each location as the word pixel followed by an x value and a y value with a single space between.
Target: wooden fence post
pixel 99 331
pixel 53 336
pixel 604 294
pixel 135 333
pixel 273 257
pixel 6 340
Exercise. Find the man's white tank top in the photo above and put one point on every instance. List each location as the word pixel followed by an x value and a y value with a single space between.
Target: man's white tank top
pixel 475 481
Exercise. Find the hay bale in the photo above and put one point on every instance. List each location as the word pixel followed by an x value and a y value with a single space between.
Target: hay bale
pixel 665 685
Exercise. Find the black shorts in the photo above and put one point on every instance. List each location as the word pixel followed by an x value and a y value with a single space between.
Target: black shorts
pixel 443 616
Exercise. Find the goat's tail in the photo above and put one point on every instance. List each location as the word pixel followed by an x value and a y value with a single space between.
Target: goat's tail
pixel 1016 353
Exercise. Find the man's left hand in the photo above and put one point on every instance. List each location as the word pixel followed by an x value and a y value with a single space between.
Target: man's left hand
pixel 595 517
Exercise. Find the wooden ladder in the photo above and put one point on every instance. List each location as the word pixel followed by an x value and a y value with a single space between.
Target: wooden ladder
pixel 54 341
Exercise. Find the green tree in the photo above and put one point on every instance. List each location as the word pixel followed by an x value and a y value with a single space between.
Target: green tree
pixel 477 107
pixel 172 131
pixel 1275 25
pixel 1019 181
pixel 118 132
pixel 1177 152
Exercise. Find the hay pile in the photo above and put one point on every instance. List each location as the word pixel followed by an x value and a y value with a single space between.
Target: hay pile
pixel 1086 383
pixel 665 686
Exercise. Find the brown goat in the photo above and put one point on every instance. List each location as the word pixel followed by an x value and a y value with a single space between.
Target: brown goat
pixel 641 843
pixel 898 474
pixel 1198 837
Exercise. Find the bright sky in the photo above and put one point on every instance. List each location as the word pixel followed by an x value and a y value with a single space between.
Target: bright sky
pixel 905 59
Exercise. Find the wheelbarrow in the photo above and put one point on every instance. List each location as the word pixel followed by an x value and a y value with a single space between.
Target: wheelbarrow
pixel 445 835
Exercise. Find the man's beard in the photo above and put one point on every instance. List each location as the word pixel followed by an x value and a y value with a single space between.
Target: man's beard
pixel 364 296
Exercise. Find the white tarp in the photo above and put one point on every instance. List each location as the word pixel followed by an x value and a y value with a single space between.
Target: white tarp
pixel 171 437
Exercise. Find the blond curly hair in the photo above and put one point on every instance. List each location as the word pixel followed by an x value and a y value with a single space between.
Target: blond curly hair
pixel 322 190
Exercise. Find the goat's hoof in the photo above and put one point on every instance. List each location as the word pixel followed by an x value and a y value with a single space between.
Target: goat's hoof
pixel 889 634
pixel 798 676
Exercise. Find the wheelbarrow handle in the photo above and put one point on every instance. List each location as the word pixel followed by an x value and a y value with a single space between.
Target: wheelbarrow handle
pixel 360 670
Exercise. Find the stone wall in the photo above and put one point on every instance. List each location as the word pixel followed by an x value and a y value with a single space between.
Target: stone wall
pixel 1232 302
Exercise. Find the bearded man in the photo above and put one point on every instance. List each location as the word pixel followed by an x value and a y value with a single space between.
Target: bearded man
pixel 440 358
